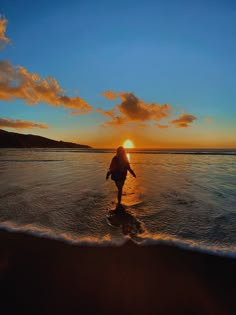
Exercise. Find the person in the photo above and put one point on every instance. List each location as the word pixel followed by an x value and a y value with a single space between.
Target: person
pixel 118 170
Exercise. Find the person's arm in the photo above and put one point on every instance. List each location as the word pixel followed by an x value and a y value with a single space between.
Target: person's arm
pixel 131 171
pixel 111 168
pixel 108 174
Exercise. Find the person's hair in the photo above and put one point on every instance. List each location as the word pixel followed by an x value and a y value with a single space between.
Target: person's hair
pixel 121 154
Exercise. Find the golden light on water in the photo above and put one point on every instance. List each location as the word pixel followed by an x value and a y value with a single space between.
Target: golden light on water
pixel 128 144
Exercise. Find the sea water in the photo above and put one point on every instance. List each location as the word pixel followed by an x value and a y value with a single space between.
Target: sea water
pixel 183 197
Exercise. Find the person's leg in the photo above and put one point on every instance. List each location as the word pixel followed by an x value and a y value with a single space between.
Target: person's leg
pixel 119 194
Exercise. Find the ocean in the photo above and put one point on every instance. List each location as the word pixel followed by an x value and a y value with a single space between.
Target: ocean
pixel 186 198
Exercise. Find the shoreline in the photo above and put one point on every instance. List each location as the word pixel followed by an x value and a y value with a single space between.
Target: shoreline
pixel 170 242
pixel 45 276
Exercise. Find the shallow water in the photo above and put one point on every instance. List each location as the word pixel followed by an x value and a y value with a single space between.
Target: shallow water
pixel 187 199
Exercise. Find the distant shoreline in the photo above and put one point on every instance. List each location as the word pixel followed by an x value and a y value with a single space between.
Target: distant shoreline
pixel 88 149
pixel 18 140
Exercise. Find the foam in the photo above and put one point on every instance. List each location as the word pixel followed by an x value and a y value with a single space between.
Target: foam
pixel 108 241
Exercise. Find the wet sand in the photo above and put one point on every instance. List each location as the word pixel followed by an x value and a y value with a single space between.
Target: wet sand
pixel 41 276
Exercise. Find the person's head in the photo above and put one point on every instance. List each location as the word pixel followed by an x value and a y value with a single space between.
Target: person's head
pixel 120 152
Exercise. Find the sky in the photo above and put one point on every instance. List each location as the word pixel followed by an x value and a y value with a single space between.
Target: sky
pixel 161 73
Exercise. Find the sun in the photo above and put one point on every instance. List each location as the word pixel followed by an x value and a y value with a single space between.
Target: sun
pixel 128 144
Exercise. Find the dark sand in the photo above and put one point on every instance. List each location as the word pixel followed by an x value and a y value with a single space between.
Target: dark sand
pixel 40 276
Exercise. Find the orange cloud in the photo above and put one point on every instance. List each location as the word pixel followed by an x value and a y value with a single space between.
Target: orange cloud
pixel 108 113
pixel 133 109
pixel 3 39
pixel 141 125
pixel 17 82
pixel 77 112
pixel 183 121
pixel 20 124
pixel 162 126
pixel 110 95
pixel 116 121
pixel 136 110
pixel 209 119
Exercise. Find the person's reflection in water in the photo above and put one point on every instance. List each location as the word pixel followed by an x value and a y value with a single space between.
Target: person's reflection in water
pixel 118 170
pixel 124 219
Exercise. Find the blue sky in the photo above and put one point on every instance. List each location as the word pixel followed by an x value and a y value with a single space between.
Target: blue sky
pixel 175 52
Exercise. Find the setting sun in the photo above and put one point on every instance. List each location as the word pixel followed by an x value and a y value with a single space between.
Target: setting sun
pixel 128 144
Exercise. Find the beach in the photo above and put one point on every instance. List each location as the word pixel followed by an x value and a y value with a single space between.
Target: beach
pixel 187 199
pixel 42 276
pixel 65 249
pixel 117 157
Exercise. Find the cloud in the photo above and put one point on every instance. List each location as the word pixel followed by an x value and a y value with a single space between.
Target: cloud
pixel 116 121
pixel 136 110
pixel 3 39
pixel 133 109
pixel 162 126
pixel 20 124
pixel 183 121
pixel 141 125
pixel 209 119
pixel 77 112
pixel 109 113
pixel 110 95
pixel 17 82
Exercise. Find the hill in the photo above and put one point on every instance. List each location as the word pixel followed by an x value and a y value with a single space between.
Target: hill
pixel 18 140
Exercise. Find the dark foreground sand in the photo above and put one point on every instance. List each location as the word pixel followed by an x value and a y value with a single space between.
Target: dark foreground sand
pixel 39 276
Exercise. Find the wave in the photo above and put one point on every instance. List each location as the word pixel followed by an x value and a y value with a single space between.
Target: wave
pixel 63 236
pixel 187 245
pixel 106 240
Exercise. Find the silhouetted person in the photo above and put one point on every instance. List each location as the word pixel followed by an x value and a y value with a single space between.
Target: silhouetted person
pixel 118 170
